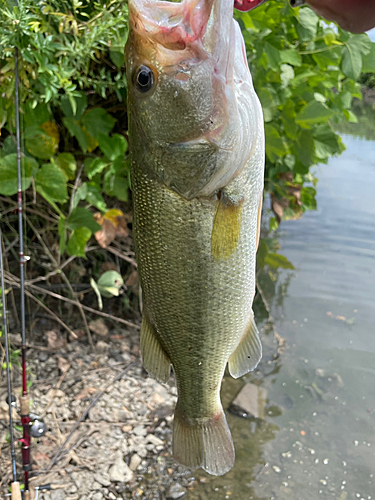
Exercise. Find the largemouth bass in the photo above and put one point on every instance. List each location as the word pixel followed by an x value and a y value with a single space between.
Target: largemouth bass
pixel 197 158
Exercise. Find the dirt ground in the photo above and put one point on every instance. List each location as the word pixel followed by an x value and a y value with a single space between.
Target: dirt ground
pixel 108 423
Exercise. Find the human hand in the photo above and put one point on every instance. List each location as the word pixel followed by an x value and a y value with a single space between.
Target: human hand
pixel 356 16
pixel 352 15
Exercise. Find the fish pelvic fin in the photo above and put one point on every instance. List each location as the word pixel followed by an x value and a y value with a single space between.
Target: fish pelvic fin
pixel 226 229
pixel 248 352
pixel 204 442
pixel 154 358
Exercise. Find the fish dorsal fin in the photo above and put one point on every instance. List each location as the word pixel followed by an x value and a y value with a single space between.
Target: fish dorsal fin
pixel 154 359
pixel 226 229
pixel 248 352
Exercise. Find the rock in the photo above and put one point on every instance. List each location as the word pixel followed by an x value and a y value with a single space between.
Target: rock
pixel 102 478
pixel 119 472
pixel 251 401
pixel 101 346
pixel 58 494
pixel 176 491
pixel 72 488
pixel 97 496
pixel 139 430
pixel 154 440
pixel 157 399
pixel 55 341
pixel 135 461
pixel 96 485
pixel 99 327
pixel 142 450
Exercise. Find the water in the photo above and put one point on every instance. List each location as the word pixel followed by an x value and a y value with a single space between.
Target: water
pixel 318 438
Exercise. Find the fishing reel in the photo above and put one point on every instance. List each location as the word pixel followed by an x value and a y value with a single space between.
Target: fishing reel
pixel 37 427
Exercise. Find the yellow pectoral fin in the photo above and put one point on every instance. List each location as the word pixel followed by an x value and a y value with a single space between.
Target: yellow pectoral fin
pixel 226 229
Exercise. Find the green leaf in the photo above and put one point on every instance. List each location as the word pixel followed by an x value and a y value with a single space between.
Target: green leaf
pixel 304 149
pixel 308 198
pixel 287 74
pixel 116 185
pixel 61 229
pixel 276 260
pixel 51 181
pixel 110 283
pixel 270 100
pixel 8 173
pixel 82 217
pixel 274 143
pixel 9 146
pixel 39 143
pixel 314 112
pixel 112 147
pixel 80 105
pixel 308 24
pixel 350 116
pixel 90 192
pixel 77 241
pixel 35 117
pixel 289 120
pixel 368 60
pixel 326 142
pixel 94 197
pixel 76 131
pixel 98 121
pixel 273 224
pixel 117 57
pixel 262 253
pixel 67 163
pixel 351 63
pixel 273 56
pixel 290 56
pixel 96 167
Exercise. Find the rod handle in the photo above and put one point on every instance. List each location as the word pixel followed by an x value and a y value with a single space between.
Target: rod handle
pixel 16 491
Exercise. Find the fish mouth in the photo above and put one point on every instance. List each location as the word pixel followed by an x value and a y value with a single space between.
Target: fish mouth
pixel 177 26
pixel 173 25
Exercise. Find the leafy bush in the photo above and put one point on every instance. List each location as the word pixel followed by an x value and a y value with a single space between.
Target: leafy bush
pixel 71 68
pixel 305 73
pixel 73 109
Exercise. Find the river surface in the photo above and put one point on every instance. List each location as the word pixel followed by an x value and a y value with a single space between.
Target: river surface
pixel 317 440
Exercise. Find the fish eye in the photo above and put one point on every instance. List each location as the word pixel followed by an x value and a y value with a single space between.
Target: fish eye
pixel 144 79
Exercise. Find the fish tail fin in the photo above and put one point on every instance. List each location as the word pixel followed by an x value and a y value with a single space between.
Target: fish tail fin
pixel 205 443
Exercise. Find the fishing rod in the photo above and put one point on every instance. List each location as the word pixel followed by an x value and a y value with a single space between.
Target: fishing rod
pixel 16 492
pixel 31 424
pixel 25 399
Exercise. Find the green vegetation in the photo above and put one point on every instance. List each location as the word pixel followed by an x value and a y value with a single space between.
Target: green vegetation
pixel 306 75
pixel 73 106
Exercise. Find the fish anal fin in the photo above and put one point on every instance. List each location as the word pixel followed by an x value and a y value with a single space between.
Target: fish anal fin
pixel 154 359
pixel 205 443
pixel 226 229
pixel 248 352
